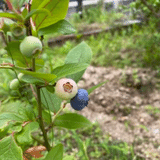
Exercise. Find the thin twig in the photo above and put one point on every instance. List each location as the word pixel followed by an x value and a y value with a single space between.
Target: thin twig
pixel 33 91
pixel 3 37
pixel 52 124
pixel 33 64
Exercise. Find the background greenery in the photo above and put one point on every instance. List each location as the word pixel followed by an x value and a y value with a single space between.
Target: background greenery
pixel 137 47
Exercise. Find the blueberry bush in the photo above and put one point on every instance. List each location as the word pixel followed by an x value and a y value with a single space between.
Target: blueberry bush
pixel 33 97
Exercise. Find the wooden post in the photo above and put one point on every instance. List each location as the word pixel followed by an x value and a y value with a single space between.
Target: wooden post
pixel 79 8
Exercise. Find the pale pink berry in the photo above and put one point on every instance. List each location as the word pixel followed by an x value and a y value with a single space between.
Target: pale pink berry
pixel 66 88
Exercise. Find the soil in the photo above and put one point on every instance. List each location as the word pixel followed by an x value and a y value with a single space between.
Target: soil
pixel 127 107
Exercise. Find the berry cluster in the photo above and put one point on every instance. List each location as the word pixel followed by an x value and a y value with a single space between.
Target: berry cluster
pixel 67 89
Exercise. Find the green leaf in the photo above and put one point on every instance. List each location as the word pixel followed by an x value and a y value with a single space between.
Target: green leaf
pixel 35 11
pixel 56 153
pixel 32 80
pixel 44 76
pixel 68 157
pixel 6 117
pixel 58 9
pixel 95 87
pixel 62 26
pixel 24 12
pixel 50 89
pixel 39 63
pixel 24 137
pixel 30 113
pixel 80 54
pixel 46 116
pixel 9 149
pixel 35 4
pixel 14 52
pixel 14 127
pixel 4 131
pixel 68 69
pixel 72 121
pixel 11 16
pixel 50 100
pixel 7 21
pixel 14 112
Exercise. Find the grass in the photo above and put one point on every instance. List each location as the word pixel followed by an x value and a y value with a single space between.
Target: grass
pixel 91 144
pixel 153 111
pixel 96 17
pixel 137 47
pixel 130 48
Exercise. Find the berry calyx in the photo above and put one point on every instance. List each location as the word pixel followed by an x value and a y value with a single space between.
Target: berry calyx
pixel 80 100
pixel 30 46
pixel 18 31
pixel 14 84
pixel 66 88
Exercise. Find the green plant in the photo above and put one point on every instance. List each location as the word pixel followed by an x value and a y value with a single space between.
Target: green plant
pixel 18 31
pixel 153 111
pixel 14 84
pixel 29 114
pixel 94 17
pixel 148 10
pixel 30 46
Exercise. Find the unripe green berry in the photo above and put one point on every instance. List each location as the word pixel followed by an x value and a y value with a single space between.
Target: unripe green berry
pixel 14 84
pixel 66 88
pixel 20 75
pixel 30 46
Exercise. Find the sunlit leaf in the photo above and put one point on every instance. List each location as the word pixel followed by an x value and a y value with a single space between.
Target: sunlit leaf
pixel 56 153
pixel 58 9
pixel 62 26
pixel 72 121
pixel 9 149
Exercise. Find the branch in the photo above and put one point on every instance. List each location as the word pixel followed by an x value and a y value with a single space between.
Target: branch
pixel 3 37
pixel 41 119
pixel 33 91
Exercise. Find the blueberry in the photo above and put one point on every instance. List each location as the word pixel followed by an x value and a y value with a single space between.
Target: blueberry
pixel 66 88
pixel 80 100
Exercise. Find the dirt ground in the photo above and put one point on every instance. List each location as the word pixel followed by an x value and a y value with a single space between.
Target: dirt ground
pixel 127 106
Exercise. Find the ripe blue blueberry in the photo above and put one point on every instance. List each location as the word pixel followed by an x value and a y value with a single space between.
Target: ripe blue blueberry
pixel 80 100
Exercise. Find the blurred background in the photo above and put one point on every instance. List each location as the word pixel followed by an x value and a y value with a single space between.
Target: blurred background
pixel 124 36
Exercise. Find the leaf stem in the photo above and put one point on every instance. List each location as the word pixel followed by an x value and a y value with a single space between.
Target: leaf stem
pixel 38 140
pixel 41 119
pixel 51 125
pixel 33 64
